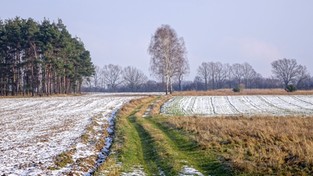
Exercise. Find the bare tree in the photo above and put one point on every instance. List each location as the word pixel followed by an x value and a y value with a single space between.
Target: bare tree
pixel 167 51
pixel 198 83
pixel 288 71
pixel 112 76
pixel 249 74
pixel 133 78
pixel 228 74
pixel 237 71
pixel 303 75
pixel 217 74
pixel 221 74
pixel 203 73
pixel 182 68
pixel 96 78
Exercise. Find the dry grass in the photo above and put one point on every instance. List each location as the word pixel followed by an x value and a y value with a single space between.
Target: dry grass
pixel 258 145
pixel 223 92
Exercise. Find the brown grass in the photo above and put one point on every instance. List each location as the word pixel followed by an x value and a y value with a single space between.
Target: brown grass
pixel 257 145
pixel 223 92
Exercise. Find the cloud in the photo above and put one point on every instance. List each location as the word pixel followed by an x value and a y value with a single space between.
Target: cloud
pixel 256 52
pixel 255 49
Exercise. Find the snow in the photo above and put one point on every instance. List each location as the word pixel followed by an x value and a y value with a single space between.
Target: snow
pixel 280 105
pixel 186 170
pixel 35 130
pixel 137 171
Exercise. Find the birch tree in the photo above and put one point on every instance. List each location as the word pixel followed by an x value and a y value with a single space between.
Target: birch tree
pixel 167 52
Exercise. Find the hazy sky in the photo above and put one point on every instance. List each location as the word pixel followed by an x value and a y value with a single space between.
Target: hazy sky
pixel 119 32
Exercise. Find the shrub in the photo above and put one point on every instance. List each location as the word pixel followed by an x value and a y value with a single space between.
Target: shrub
pixel 290 88
pixel 239 88
pixel 63 159
pixel 236 89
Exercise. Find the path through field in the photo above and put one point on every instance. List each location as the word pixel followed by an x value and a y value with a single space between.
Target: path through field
pixel 35 130
pixel 146 144
pixel 280 105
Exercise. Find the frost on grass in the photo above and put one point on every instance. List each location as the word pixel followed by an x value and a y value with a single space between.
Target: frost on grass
pixel 36 130
pixel 186 170
pixel 135 172
pixel 240 105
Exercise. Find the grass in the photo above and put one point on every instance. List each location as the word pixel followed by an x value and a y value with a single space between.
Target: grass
pixel 127 147
pixel 254 145
pixel 150 144
pixel 63 159
pixel 257 145
pixel 187 150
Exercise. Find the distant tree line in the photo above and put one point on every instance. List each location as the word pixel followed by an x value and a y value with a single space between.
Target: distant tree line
pixel 41 58
pixel 210 76
pixel 114 78
pixel 215 75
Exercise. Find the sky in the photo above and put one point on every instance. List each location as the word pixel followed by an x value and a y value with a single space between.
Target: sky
pixel 118 32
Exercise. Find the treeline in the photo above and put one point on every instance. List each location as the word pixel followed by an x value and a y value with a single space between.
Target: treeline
pixel 41 58
pixel 216 75
pixel 210 76
pixel 114 78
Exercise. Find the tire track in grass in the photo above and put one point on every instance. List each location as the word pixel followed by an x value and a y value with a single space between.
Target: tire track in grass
pixel 135 151
pixel 149 152
pixel 187 151
pixel 154 149
pixel 159 150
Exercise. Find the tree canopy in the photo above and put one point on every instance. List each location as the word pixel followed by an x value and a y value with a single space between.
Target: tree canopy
pixel 41 58
pixel 289 71
pixel 168 56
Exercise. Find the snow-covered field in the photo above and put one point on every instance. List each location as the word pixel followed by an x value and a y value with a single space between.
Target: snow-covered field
pixel 280 105
pixel 35 130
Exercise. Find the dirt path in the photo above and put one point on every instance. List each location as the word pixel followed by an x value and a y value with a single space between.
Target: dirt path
pixel 145 145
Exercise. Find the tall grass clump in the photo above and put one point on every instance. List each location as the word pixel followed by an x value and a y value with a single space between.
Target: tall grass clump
pixel 256 145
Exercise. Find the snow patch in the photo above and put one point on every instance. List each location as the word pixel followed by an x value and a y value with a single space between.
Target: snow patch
pixel 186 170
pixel 35 130
pixel 240 105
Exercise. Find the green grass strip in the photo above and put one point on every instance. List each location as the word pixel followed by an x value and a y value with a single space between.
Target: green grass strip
pixel 203 160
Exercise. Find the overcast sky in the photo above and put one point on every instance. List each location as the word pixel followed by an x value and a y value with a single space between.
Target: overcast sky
pixel 119 32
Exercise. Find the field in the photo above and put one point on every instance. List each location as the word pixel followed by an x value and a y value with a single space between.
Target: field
pixel 122 134
pixel 38 134
pixel 254 134
pixel 255 146
pixel 278 105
